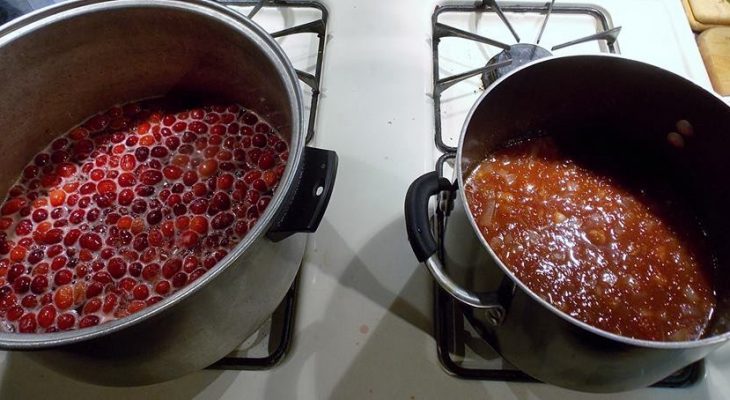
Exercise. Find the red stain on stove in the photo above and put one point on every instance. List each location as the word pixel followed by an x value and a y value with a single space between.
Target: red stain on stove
pixel 364 329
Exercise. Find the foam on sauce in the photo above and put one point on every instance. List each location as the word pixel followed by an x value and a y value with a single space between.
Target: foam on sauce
pixel 605 253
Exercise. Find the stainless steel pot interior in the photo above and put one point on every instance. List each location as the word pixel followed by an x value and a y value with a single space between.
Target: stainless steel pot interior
pixel 622 109
pixel 62 64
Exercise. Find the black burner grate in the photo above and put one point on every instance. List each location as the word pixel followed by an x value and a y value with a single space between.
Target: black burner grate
pixel 455 335
pixel 503 64
pixel 317 27
pixel 278 340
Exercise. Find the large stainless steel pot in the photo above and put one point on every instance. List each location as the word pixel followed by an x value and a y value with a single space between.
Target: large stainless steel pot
pixel 616 107
pixel 64 63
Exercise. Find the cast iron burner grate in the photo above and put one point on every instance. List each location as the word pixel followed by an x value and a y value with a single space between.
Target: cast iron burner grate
pixel 270 343
pixel 465 354
pixel 512 56
pixel 316 27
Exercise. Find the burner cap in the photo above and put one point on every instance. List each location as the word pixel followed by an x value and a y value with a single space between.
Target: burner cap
pixel 520 54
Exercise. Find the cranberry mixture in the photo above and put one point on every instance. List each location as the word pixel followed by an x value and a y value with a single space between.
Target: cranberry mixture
pixel 615 258
pixel 130 207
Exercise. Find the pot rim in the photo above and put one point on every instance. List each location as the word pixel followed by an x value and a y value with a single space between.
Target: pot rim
pixel 238 24
pixel 712 340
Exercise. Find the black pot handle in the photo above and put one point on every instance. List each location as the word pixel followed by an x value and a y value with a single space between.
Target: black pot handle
pixel 418 225
pixel 304 210
pixel 424 245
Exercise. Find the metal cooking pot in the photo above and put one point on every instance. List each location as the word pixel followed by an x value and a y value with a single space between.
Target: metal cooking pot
pixel 619 108
pixel 61 64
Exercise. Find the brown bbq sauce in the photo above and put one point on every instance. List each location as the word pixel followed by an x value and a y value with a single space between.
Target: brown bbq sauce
pixel 608 255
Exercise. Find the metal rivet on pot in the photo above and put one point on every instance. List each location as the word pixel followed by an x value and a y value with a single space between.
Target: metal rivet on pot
pixel 685 128
pixel 675 139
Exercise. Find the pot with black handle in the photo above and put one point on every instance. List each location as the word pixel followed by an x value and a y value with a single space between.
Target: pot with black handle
pixel 629 107
pixel 66 62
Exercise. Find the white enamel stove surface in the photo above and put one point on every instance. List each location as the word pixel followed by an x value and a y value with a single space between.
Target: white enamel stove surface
pixel 363 321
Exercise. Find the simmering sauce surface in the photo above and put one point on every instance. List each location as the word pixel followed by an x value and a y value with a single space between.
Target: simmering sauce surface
pixel 602 252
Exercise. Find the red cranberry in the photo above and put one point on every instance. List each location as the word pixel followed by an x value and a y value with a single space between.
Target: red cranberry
pixel 53 236
pixel 162 287
pixel 89 320
pixel 172 172
pixel 179 126
pixel 199 206
pixel 139 206
pixel 144 190
pixel 93 214
pixel 151 177
pixel 220 202
pixel 14 313
pixel 135 269
pixel 117 267
pixel 76 216
pixel 39 284
pixel 171 267
pixel 150 272
pixel 63 277
pixel 126 179
pixel 90 241
pixel 24 227
pixel 21 284
pixel 140 242
pixel 179 279
pixel 159 152
pixel 189 178
pixel 258 140
pixel 125 197
pixel 65 321
pixel 94 289
pixel 141 153
pixel 266 161
pixel 27 323
pixel 222 220
pixel 141 292
pixel 46 316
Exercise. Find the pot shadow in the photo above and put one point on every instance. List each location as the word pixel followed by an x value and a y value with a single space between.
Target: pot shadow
pixel 367 279
pixel 388 352
pixel 392 355
pixel 386 272
pixel 24 378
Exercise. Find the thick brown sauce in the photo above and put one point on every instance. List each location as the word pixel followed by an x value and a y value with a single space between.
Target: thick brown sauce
pixel 604 254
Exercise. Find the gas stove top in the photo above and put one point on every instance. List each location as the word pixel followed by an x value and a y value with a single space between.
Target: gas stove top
pixel 363 325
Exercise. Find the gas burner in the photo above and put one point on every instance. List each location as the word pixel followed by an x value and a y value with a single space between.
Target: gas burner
pixel 519 54
pixel 302 20
pixel 511 55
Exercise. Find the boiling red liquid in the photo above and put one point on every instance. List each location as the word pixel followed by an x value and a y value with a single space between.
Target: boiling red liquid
pixel 612 257
pixel 130 207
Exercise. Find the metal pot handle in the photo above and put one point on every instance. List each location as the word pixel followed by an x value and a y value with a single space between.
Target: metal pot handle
pixel 304 210
pixel 420 236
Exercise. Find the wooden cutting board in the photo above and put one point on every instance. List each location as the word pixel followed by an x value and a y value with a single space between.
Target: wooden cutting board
pixel 696 26
pixel 714 45
pixel 711 12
